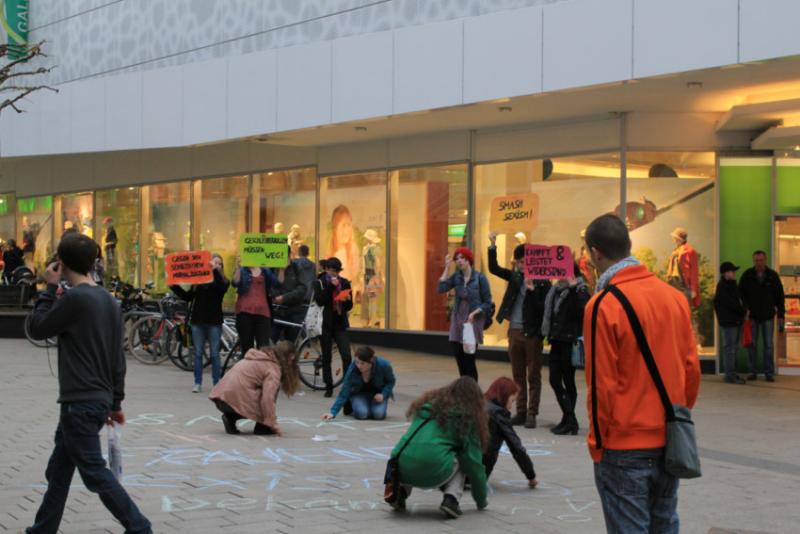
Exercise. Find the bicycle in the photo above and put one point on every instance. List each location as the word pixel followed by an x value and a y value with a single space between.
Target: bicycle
pixel 47 342
pixel 308 353
pixel 153 338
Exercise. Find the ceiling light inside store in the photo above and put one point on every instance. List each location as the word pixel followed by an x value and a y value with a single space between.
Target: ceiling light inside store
pixel 360 128
pixel 694 85
pixel 503 109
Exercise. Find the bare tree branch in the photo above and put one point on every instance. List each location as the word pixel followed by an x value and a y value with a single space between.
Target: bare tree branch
pixel 8 72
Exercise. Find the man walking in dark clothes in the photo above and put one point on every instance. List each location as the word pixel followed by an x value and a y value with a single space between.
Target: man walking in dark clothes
pixel 91 382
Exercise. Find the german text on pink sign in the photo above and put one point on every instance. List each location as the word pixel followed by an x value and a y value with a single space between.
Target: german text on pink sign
pixel 543 262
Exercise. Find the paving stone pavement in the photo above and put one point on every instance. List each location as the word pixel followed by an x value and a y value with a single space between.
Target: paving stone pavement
pixel 187 475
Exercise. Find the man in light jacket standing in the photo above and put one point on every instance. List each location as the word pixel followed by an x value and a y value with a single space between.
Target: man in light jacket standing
pixel 627 430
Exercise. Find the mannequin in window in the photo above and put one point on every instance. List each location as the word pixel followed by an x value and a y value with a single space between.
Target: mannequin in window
pixel 344 247
pixel 110 245
pixel 278 228
pixel 294 239
pixel 373 278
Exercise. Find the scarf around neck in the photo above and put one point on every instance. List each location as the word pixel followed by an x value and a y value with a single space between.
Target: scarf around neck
pixel 557 293
pixel 606 277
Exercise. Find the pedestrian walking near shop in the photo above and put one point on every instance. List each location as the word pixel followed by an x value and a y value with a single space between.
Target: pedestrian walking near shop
pixel 730 315
pixel 289 301
pixel 627 430
pixel 205 316
pixel 472 307
pixel 91 382
pixel 334 294
pixel 253 310
pixel 523 307
pixel 12 258
pixel 762 293
pixel 308 271
pixel 563 325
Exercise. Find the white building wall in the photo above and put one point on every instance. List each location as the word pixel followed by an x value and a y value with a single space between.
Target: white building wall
pixel 568 44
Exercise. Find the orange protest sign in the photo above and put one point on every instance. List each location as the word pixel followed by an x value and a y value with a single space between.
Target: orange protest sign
pixel 514 213
pixel 191 267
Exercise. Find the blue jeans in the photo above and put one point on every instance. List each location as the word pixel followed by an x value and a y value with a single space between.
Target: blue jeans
pixel 201 333
pixel 730 346
pixel 765 329
pixel 637 494
pixel 77 445
pixel 365 407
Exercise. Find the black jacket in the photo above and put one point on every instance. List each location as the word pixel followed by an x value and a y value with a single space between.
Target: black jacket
pixel 12 259
pixel 323 295
pixel 532 306
pixel 567 324
pixel 763 297
pixel 500 430
pixel 728 304
pixel 206 299
pixel 293 290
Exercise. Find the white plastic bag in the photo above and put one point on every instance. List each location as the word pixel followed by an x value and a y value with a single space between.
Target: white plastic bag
pixel 115 449
pixel 468 339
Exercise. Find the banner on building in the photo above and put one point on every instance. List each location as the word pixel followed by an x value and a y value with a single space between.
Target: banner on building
pixel 543 262
pixel 192 267
pixel 514 213
pixel 264 250
pixel 14 19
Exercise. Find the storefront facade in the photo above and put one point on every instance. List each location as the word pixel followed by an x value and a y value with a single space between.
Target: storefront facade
pixel 387 150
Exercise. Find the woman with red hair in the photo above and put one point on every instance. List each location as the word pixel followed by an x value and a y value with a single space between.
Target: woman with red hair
pixel 473 305
pixel 500 397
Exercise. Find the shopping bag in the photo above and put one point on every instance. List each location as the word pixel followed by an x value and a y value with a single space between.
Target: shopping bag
pixel 468 339
pixel 313 320
pixel 747 334
pixel 115 449
pixel 578 356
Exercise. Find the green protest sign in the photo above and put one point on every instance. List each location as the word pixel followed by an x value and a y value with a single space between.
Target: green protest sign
pixel 263 250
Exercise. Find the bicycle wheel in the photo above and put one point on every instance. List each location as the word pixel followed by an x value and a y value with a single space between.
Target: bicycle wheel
pixel 128 320
pixel 150 340
pixel 41 343
pixel 309 360
pixel 183 354
pixel 231 357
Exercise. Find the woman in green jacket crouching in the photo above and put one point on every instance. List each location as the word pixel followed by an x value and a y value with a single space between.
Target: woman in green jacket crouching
pixel 453 432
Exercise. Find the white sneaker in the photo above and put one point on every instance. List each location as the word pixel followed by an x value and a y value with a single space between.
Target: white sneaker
pixel 196 388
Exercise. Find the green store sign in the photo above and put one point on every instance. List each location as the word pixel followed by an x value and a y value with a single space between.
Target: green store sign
pixel 14 19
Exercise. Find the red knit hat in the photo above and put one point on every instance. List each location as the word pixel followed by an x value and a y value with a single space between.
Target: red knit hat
pixel 466 252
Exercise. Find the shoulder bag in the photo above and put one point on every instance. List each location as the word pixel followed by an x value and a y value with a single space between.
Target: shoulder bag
pixel 391 479
pixel 680 452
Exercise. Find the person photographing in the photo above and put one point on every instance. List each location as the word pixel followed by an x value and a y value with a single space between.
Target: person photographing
pixel 91 383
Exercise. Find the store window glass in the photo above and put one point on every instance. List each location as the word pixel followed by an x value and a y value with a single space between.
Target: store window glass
pixel 287 202
pixel 167 227
pixel 428 221
pixel 671 215
pixel 221 218
pixel 8 205
pixel 74 213
pixel 352 223
pixel 569 192
pixel 35 230
pixel 118 232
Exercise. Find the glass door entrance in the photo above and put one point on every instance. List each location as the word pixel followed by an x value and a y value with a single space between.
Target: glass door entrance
pixel 787 264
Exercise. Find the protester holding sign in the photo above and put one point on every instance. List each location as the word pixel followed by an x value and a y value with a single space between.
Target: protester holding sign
pixel 252 309
pixel 524 309
pixel 334 294
pixel 473 306
pixel 562 324
pixel 205 316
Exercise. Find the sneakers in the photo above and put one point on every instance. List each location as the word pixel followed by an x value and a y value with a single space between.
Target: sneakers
pixel 230 424
pixel 735 379
pixel 197 388
pixel 450 506
pixel 530 421
pixel 518 419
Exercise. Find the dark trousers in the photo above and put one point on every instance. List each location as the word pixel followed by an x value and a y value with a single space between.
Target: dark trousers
pixel 525 354
pixel 253 329
pixel 465 362
pixel 562 375
pixel 77 445
pixel 326 340
pixel 289 333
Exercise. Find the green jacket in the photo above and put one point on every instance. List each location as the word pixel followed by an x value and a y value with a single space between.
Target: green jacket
pixel 427 462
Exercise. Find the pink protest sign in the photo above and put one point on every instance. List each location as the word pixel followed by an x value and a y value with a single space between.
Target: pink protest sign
pixel 544 262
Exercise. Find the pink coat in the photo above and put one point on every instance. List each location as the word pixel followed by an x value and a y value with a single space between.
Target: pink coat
pixel 251 387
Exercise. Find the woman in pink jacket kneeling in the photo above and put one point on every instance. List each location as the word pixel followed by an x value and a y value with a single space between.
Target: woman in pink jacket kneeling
pixel 249 390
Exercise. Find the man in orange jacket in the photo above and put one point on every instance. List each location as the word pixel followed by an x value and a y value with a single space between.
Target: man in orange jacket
pixel 627 422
